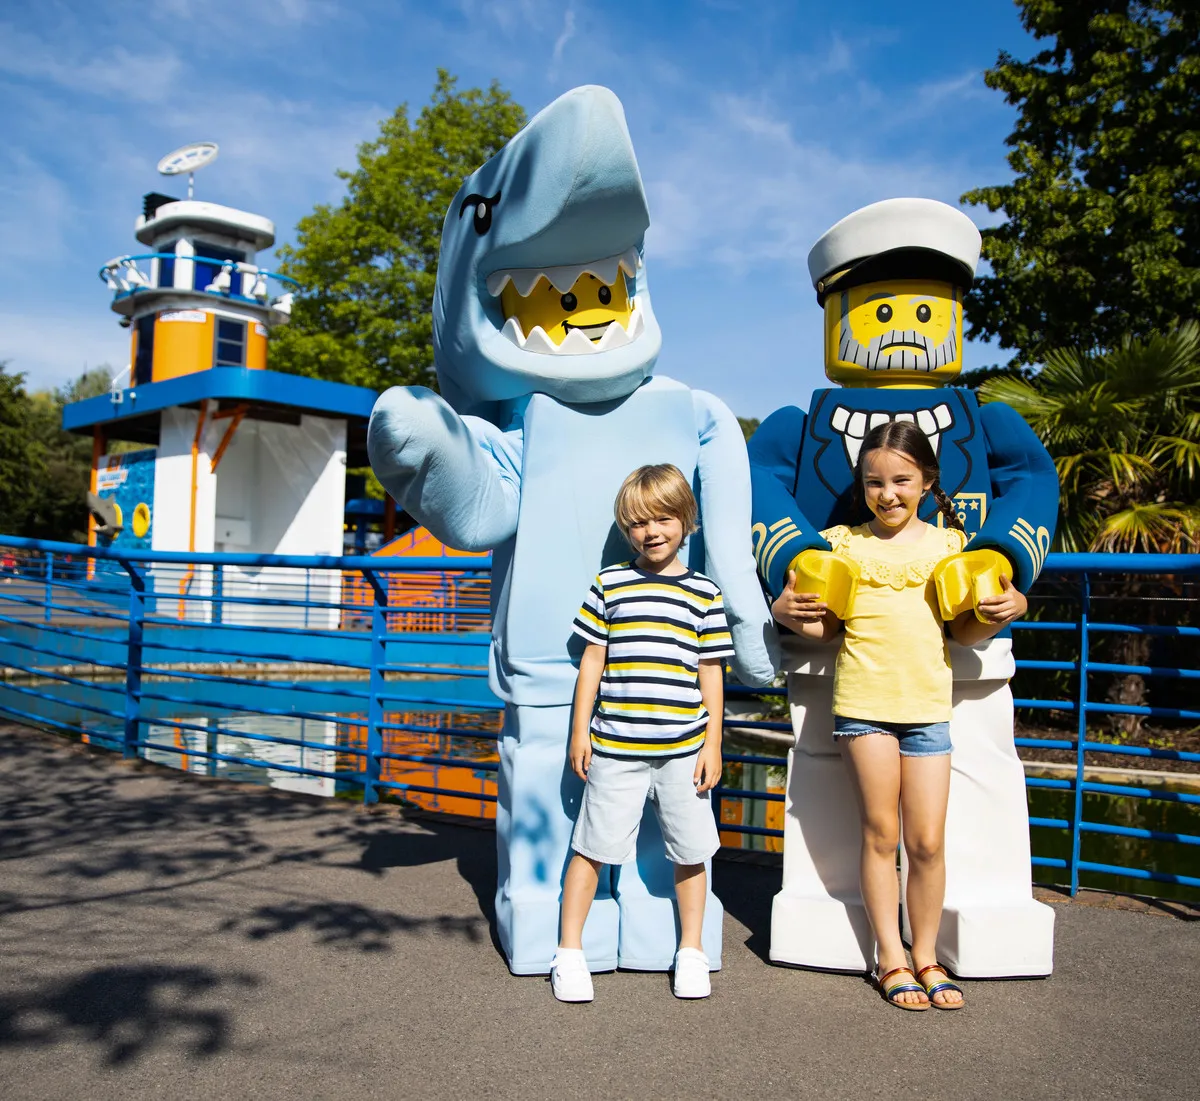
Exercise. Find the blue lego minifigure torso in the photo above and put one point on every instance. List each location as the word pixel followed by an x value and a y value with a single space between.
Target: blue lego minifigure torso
pixel 993 467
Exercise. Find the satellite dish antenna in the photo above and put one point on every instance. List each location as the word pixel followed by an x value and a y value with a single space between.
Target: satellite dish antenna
pixel 188 159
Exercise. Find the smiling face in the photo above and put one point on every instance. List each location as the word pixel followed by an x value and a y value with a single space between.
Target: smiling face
pixel 893 486
pixel 902 332
pixel 656 541
pixel 590 312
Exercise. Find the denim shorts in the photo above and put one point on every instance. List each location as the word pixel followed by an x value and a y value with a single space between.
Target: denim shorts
pixel 916 739
pixel 615 797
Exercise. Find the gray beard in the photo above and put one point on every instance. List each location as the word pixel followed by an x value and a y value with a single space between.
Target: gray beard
pixel 905 359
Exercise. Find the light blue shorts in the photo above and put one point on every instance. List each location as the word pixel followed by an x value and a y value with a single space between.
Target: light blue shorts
pixel 916 740
pixel 614 799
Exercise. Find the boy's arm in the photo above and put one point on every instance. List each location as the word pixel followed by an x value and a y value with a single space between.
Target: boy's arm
pixel 712 693
pixel 587 684
pixel 999 611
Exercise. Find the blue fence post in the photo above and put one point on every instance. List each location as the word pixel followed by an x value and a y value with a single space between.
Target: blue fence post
pixel 371 764
pixel 49 584
pixel 1085 593
pixel 133 661
pixel 218 615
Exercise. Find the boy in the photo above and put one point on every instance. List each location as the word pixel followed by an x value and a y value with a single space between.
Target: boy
pixel 656 638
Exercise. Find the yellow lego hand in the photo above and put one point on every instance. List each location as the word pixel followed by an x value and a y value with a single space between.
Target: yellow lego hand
pixel 963 580
pixel 831 577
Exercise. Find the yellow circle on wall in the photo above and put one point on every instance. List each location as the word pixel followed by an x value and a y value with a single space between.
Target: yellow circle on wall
pixel 141 519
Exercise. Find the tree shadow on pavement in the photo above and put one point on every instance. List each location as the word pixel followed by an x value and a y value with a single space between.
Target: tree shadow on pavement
pixel 126 1011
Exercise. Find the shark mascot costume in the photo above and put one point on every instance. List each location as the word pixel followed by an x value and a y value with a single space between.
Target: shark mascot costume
pixel 544 343
pixel 891 278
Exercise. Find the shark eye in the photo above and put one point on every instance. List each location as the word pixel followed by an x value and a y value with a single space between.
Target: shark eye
pixel 605 295
pixel 923 313
pixel 483 210
pixel 884 312
pixel 569 301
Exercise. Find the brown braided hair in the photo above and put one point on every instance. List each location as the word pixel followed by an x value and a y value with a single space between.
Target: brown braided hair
pixel 906 438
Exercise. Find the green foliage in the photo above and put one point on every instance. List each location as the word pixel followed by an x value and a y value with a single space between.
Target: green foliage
pixel 1102 231
pixel 1124 429
pixel 44 471
pixel 749 425
pixel 21 468
pixel 367 267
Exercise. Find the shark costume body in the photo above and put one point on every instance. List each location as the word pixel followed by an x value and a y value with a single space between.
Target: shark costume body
pixel 538 428
pixel 891 278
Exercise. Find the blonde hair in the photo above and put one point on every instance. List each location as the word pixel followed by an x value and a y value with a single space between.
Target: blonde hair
pixel 659 490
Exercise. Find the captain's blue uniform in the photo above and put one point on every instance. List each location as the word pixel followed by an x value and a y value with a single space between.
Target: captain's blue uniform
pixel 999 475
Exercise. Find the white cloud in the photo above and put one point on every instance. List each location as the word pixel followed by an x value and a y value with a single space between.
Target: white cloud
pixel 116 72
pixel 560 43
pixel 740 188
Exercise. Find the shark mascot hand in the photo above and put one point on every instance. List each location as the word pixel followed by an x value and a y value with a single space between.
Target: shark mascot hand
pixel 544 343
pixel 891 278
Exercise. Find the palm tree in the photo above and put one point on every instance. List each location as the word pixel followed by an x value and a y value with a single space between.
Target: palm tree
pixel 1123 427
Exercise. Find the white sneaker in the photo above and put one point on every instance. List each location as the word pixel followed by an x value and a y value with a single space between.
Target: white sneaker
pixel 570 978
pixel 691 974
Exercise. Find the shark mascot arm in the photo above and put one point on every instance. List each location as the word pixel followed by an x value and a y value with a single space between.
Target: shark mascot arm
pixel 724 476
pixel 781 531
pixel 459 476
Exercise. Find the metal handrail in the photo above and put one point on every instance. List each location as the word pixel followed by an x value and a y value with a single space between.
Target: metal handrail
pixel 130 575
pixel 242 267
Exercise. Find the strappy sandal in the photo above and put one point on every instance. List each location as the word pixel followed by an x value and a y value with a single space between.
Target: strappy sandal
pixel 901 985
pixel 938 986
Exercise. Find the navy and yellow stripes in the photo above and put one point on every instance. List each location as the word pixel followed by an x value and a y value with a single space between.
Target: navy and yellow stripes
pixel 656 630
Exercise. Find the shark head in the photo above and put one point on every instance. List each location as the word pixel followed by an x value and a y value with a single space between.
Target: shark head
pixel 558 212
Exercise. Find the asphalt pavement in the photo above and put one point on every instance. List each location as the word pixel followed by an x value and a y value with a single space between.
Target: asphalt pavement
pixel 163 935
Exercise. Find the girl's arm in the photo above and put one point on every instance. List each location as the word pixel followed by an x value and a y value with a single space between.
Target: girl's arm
pixel 1000 611
pixel 804 613
pixel 712 693
pixel 587 684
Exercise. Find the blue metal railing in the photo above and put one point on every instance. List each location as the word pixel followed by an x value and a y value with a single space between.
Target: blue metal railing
pixel 215 658
pixel 124 278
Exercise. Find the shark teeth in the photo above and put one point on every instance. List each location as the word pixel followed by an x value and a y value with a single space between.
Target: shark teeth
pixel 576 342
pixel 564 277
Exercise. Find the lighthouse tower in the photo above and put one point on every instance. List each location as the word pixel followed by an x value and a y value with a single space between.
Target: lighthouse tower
pixel 238 457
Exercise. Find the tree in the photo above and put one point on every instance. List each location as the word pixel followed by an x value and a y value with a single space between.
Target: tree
pixel 367 267
pixel 21 468
pixel 749 426
pixel 1124 430
pixel 44 471
pixel 1102 231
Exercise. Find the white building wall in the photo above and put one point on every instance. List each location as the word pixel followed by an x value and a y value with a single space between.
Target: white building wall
pixel 281 490
pixel 172 528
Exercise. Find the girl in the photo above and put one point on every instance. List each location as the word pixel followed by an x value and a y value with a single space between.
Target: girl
pixel 891 696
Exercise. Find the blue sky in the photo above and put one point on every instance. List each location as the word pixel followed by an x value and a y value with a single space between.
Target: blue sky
pixel 757 125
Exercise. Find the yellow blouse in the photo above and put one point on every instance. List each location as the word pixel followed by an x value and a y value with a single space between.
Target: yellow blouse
pixel 894 664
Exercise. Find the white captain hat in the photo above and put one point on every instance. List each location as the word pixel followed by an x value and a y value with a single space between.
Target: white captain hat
pixel 896 238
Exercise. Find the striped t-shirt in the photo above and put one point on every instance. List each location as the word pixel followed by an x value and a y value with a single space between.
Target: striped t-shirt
pixel 656 630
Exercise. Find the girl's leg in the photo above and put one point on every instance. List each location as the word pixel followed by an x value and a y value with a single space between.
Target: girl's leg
pixel 874 764
pixel 691 889
pixel 579 888
pixel 924 791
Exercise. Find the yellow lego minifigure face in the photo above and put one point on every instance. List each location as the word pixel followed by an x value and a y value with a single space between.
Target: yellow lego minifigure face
pixel 589 308
pixel 900 332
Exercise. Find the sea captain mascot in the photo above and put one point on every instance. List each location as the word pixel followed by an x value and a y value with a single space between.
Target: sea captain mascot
pixel 544 344
pixel 891 279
